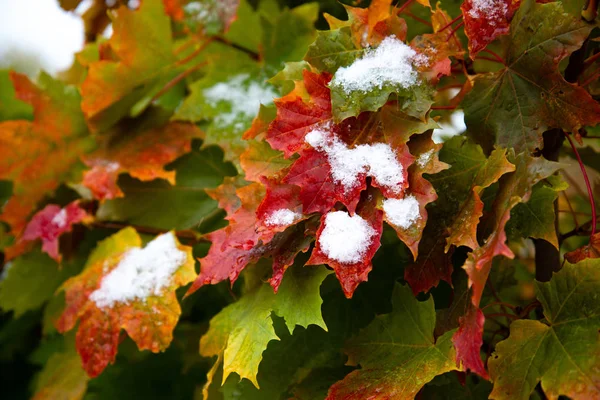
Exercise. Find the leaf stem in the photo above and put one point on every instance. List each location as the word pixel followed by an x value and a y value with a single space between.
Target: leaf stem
pixel 590 60
pixel 489 59
pixel 176 80
pixel 457 27
pixel 421 20
pixel 188 235
pixel 506 315
pixel 587 183
pixel 571 209
pixel 495 55
pixel 499 303
pixel 404 6
pixel 450 23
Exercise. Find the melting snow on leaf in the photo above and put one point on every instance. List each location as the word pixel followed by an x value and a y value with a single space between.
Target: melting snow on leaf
pixel 347 165
pixel 488 9
pixel 141 272
pixel 282 217
pixel 391 63
pixel 402 212
pixel 244 99
pixel 346 238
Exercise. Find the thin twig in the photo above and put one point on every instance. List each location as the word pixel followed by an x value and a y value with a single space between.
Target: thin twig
pixel 587 183
pixel 188 235
pixel 453 31
pixel 450 23
pixel 495 55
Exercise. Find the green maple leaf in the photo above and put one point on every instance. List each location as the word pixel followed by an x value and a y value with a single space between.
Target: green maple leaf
pixel 188 204
pixel 240 333
pixel 397 352
pixel 535 218
pixel 62 376
pixel 10 106
pixel 563 352
pixel 514 106
pixel 30 281
pixel 333 49
pixel 143 45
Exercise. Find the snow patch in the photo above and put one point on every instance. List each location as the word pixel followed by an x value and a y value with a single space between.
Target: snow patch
pixel 489 9
pixel 391 63
pixel 282 217
pixel 347 165
pixel 60 219
pixel 424 158
pixel 141 272
pixel 244 99
pixel 402 212
pixel 346 238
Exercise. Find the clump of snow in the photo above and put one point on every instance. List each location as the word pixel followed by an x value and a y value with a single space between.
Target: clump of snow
pixel 60 219
pixel 489 9
pixel 282 217
pixel 424 159
pixel 347 165
pixel 141 272
pixel 4 272
pixel 243 97
pixel 391 63
pixel 402 212
pixel 346 238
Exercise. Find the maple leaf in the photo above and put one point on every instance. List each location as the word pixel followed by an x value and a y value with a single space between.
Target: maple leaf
pixel 51 222
pixel 454 211
pixel 485 21
pixel 468 340
pixel 30 280
pixel 142 153
pixel 260 160
pixel 515 188
pixel 530 91
pixel 108 296
pixel 562 352
pixel 142 63
pixel 30 148
pixel 239 334
pixel 397 352
pixel 240 243
pixel 188 203
pixel 591 250
pixel 536 217
pixel 62 376
pixel 207 17
pixel 349 249
pixel 427 162
pixel 463 231
pixel 296 117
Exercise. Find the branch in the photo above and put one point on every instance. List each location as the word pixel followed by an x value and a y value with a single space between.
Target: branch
pixel 187 235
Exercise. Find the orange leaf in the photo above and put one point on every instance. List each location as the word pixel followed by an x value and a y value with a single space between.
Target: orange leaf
pixel 126 287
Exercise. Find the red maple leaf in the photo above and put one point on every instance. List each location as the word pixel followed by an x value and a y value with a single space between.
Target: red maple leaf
pixel 468 340
pixel 51 222
pixel 350 259
pixel 486 20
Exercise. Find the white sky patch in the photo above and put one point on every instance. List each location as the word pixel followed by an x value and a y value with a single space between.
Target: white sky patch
pixel 347 165
pixel 346 238
pixel 141 272
pixel 282 217
pixel 243 97
pixel 4 272
pixel 402 212
pixel 38 34
pixel 489 9
pixel 455 127
pixel 60 219
pixel 424 158
pixel 391 63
